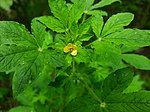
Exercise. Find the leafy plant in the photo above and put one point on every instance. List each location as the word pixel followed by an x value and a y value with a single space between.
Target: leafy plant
pixel 73 61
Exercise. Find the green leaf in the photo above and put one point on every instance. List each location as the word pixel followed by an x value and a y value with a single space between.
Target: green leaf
pixel 84 27
pixel 97 12
pixel 132 102
pixel 106 54
pixel 88 3
pixel 138 61
pixel 52 23
pixel 130 38
pixel 43 38
pixel 83 104
pixel 97 24
pixel 76 11
pixel 101 73
pixel 117 82
pixel 21 109
pixel 103 3
pixel 25 56
pixel 135 86
pixel 113 98
pixel 5 4
pixel 15 33
pixel 117 22
pixel 60 10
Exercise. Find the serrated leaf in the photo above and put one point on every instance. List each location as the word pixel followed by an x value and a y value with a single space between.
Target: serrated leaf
pixel 133 102
pixel 97 24
pixel 59 9
pixel 130 38
pixel 84 27
pixel 14 33
pixel 76 11
pixel 106 54
pixel 117 22
pixel 52 23
pixel 27 60
pixel 113 98
pixel 87 2
pixel 138 61
pixel 103 3
pixel 42 37
pixel 135 86
pixel 117 82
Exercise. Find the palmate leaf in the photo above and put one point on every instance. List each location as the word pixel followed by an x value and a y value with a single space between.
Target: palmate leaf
pixel 113 100
pixel 131 102
pixel 26 55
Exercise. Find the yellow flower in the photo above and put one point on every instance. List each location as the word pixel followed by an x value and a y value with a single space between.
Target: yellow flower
pixel 71 48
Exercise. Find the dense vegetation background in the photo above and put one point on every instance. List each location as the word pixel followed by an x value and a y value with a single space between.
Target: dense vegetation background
pixel 23 11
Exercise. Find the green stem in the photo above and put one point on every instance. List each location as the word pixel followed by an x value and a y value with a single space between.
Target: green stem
pixel 73 65
pixel 84 17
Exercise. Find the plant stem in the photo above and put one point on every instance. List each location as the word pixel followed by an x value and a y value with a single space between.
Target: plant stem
pixel 84 17
pixel 73 66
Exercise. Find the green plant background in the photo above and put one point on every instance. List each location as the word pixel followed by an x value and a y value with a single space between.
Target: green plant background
pixel 23 11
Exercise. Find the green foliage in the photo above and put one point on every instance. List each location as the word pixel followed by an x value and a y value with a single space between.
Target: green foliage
pixel 5 4
pixel 72 61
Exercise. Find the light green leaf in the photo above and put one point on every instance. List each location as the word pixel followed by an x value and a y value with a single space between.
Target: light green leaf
pixel 59 9
pixel 97 24
pixel 76 11
pixel 52 23
pixel 138 61
pixel 21 109
pixel 101 73
pixel 103 3
pixel 117 22
pixel 106 54
pixel 5 4
pixel 130 38
pixel 135 86
pixel 42 37
pixel 84 27
pixel 97 12
pixel 15 33
pixel 87 2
